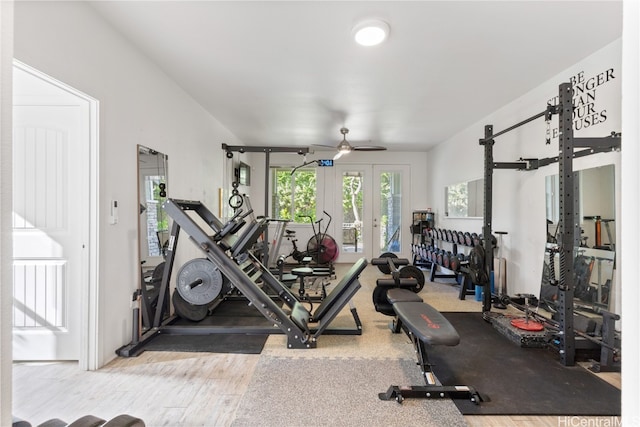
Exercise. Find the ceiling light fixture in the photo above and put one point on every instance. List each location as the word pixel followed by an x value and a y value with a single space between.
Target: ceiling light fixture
pixel 371 32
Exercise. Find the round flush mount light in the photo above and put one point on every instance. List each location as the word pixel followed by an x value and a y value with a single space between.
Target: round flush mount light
pixel 371 32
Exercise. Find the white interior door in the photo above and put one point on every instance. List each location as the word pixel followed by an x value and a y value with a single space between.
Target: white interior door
pixel 372 208
pixel 50 221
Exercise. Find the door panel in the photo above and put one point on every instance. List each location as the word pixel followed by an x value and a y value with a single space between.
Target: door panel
pixel 354 220
pixel 49 223
pixel 391 208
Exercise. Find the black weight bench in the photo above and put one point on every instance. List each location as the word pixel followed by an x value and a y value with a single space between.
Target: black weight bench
pixel 425 326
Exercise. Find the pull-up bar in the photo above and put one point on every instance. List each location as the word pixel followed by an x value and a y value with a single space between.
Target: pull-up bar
pixel 551 110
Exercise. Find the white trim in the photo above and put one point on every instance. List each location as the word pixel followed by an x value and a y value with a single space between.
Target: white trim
pixel 89 336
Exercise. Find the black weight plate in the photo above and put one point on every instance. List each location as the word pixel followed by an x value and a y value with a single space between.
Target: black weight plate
pixel 199 282
pixel 445 260
pixel 449 236
pixel 439 258
pixel 192 312
pixel 477 240
pixel 454 236
pixel 413 272
pixel 384 268
pixel 380 301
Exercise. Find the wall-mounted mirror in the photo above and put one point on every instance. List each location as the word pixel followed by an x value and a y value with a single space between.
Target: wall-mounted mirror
pixel 595 256
pixel 464 200
pixel 153 224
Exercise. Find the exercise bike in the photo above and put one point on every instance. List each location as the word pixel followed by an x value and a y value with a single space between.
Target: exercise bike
pixel 321 247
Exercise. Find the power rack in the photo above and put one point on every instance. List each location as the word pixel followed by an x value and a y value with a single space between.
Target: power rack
pixel 569 226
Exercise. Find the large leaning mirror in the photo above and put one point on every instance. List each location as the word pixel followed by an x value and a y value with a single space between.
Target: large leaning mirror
pixel 153 223
pixel 595 256
pixel 464 199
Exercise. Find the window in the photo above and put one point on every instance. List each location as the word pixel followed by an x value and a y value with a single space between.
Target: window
pixel 294 195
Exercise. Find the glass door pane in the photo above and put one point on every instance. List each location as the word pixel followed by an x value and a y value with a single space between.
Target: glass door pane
pixel 353 232
pixel 390 214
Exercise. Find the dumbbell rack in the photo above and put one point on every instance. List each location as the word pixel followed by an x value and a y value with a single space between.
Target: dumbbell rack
pixel 440 261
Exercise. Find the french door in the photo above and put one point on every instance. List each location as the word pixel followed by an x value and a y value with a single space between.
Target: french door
pixel 372 210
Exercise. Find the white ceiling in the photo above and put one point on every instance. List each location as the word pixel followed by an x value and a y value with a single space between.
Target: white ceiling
pixel 289 74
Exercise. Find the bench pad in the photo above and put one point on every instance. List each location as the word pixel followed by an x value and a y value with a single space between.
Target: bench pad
pixel 395 295
pixel 426 323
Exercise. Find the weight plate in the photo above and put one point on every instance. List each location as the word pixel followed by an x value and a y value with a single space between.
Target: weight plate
pixel 445 260
pixel 384 268
pixel 461 237
pixel 413 272
pixel 449 236
pixel 192 312
pixel 199 282
pixel 380 301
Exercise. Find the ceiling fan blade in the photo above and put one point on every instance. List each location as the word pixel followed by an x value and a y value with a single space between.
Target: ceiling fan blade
pixel 368 148
pixel 338 155
pixel 329 147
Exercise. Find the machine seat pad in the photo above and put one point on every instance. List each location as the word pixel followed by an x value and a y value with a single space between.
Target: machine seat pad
pixel 395 295
pixel 405 282
pixel 302 271
pixel 426 323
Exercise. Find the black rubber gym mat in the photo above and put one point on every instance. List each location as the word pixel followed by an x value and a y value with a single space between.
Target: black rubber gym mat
pixel 228 314
pixel 518 381
pixel 218 343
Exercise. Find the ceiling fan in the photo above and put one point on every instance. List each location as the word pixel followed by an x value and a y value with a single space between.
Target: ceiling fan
pixel 344 147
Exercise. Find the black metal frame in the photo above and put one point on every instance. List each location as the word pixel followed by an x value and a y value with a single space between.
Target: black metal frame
pixel 229 253
pixel 569 221
pixel 267 161
pixel 431 390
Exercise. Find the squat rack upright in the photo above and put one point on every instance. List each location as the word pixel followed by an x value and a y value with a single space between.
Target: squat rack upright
pixel 569 226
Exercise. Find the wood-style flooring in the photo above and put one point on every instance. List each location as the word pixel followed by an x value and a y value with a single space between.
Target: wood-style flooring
pixel 198 389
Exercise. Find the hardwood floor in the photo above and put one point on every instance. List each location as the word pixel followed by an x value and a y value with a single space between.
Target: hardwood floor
pixel 203 389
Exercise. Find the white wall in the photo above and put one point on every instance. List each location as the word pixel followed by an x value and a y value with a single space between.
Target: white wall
pixel 6 132
pixel 519 197
pixel 139 104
